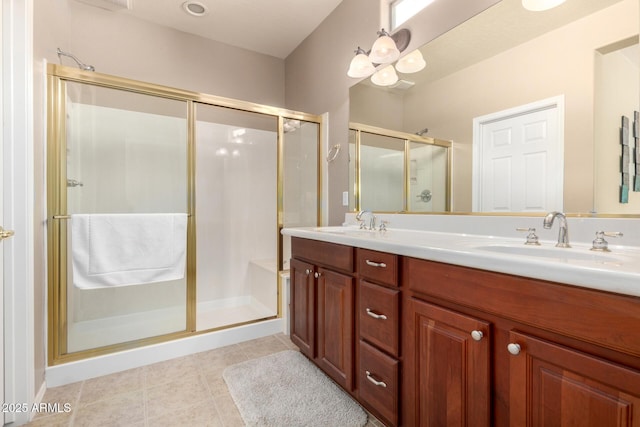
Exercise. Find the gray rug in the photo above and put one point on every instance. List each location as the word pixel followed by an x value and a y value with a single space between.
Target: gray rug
pixel 286 390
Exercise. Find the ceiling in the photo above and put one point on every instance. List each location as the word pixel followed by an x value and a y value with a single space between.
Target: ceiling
pixel 271 27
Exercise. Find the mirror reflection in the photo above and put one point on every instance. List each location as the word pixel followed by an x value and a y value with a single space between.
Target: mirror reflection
pixel 393 171
pixel 484 87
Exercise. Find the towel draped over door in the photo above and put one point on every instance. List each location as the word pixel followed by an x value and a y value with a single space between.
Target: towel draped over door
pixel 111 250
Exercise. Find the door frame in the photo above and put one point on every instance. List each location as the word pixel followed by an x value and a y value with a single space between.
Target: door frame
pixel 556 102
pixel 18 192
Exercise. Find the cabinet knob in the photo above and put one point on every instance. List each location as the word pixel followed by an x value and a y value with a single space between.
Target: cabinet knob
pixel 316 274
pixel 307 271
pixel 477 335
pixel 374 381
pixel 514 348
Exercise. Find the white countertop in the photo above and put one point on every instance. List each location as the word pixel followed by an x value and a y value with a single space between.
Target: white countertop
pixel 616 271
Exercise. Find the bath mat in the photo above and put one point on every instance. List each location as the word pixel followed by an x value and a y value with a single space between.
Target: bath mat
pixel 286 389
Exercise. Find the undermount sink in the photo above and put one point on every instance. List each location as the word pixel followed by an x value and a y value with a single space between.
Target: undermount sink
pixel 351 231
pixel 546 252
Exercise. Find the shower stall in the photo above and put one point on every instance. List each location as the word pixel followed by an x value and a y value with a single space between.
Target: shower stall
pixel 165 209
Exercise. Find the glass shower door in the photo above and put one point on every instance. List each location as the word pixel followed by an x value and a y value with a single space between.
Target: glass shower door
pixel 127 205
pixel 236 216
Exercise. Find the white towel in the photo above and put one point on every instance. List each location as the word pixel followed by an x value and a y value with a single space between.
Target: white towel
pixel 127 249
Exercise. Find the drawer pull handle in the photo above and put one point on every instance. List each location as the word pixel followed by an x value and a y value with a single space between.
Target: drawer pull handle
pixel 375 315
pixel 374 381
pixel 477 335
pixel 514 349
pixel 375 264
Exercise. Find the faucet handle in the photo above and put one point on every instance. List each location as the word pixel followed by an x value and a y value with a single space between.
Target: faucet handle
pixel 383 225
pixel 601 245
pixel 532 237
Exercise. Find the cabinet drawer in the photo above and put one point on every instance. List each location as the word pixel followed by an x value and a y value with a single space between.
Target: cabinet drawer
pixel 327 254
pixel 378 314
pixel 378 383
pixel 378 267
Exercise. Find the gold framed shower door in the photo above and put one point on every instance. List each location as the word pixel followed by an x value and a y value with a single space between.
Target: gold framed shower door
pixel 57 228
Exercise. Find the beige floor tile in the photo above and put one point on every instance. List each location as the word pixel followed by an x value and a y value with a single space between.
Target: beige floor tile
pixel 217 360
pixel 64 394
pixel 202 415
pixel 165 399
pixel 51 420
pixel 263 347
pixel 111 385
pixel 286 341
pixel 228 411
pixel 122 410
pixel 170 370
pixel 215 382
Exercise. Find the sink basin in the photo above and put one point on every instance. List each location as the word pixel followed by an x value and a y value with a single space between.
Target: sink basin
pixel 546 252
pixel 349 231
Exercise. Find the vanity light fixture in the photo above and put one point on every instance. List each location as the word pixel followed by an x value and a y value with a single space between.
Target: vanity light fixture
pixel 385 77
pixel 411 63
pixel 540 5
pixel 194 8
pixel 361 65
pixel 384 49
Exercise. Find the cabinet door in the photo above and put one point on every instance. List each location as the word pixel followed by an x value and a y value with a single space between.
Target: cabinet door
pixel 552 385
pixel 447 372
pixel 303 303
pixel 336 326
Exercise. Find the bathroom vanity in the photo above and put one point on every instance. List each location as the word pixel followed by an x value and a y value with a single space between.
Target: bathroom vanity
pixel 418 340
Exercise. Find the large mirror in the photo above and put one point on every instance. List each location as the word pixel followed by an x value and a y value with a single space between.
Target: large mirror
pixel 565 76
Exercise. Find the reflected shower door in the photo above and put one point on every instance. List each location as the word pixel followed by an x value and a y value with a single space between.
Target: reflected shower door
pixel 126 153
pixel 428 178
pixel 381 173
pixel 236 215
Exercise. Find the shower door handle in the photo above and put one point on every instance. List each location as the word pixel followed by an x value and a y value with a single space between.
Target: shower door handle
pixel 5 234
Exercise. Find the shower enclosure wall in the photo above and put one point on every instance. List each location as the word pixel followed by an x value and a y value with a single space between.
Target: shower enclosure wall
pixel 121 150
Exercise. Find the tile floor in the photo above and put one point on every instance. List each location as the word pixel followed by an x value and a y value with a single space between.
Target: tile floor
pixel 188 391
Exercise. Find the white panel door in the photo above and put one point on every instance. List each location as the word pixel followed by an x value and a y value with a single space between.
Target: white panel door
pixel 518 160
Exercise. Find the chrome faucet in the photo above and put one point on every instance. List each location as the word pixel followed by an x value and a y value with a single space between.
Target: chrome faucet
pixel 563 233
pixel 372 219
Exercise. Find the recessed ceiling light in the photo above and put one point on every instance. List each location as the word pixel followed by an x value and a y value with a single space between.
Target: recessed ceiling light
pixel 194 8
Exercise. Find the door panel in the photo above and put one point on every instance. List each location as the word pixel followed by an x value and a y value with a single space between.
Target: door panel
pixel 518 159
pixel 552 385
pixel 303 300
pixel 447 374
pixel 336 326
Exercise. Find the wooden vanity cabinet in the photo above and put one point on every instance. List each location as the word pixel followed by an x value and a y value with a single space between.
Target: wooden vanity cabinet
pixel 422 343
pixel 322 306
pixel 552 355
pixel 379 334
